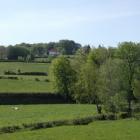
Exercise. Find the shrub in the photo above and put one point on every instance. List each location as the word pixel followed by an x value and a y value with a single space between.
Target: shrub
pixel 111 106
pixel 1 77
pixel 34 73
pixel 9 72
pixel 46 80
pixel 137 116
pixel 60 122
pixel 82 121
pixel 136 108
pixel 19 71
pixel 124 115
pixel 111 117
pixel 10 77
pixel 13 78
pixel 41 125
pixel 25 73
pixel 27 125
pixel 47 124
pixel 31 98
pixel 100 117
pixel 9 129
pixel 37 79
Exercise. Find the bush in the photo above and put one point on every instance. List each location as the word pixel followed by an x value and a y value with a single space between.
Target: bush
pixel 10 77
pixel 46 80
pixel 111 106
pixel 100 117
pixel 124 115
pixel 42 125
pixel 82 121
pixel 9 72
pixel 19 71
pixel 137 116
pixel 27 125
pixel 37 79
pixel 60 122
pixel 111 117
pixel 13 78
pixel 1 77
pixel 47 124
pixel 78 121
pixel 9 129
pixel 31 98
pixel 136 108
pixel 25 73
pixel 34 73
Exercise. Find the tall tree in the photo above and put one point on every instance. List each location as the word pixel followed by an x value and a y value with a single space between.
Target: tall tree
pixel 68 47
pixel 87 85
pixel 64 76
pixel 129 54
pixel 109 84
pixel 13 52
pixel 3 53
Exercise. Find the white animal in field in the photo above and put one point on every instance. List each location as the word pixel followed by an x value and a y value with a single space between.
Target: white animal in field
pixel 15 108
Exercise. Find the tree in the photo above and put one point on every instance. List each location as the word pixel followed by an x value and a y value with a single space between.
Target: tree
pixel 68 47
pixel 129 54
pixel 3 53
pixel 64 76
pixel 86 48
pixel 109 85
pixel 80 59
pixel 87 84
pixel 99 56
pixel 38 51
pixel 14 52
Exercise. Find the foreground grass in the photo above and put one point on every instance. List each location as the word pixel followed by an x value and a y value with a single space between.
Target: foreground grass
pixel 100 130
pixel 42 113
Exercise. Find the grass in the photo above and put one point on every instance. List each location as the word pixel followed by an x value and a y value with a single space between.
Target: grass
pixel 14 66
pixel 103 130
pixel 43 113
pixel 26 83
pixel 26 86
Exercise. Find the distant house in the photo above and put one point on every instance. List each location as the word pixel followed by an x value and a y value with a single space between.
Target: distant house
pixel 53 52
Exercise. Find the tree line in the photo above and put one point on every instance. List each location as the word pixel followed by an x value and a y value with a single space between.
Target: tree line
pixel 107 77
pixel 30 51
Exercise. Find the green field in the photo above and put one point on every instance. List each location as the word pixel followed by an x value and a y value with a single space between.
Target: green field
pixel 103 130
pixel 27 114
pixel 26 86
pixel 41 113
pixel 26 83
pixel 14 66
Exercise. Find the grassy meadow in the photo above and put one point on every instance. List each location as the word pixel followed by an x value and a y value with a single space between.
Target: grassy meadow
pixel 26 83
pixel 26 86
pixel 23 66
pixel 42 113
pixel 127 129
pixel 100 130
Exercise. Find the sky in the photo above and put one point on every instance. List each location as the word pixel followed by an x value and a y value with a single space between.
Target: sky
pixel 93 22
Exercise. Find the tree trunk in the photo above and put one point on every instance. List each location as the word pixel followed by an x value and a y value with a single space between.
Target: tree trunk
pixel 99 108
pixel 129 108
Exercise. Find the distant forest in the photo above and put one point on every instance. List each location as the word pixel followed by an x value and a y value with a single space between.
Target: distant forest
pixel 30 51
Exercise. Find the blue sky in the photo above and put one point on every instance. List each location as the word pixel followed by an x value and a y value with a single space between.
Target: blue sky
pixel 91 22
